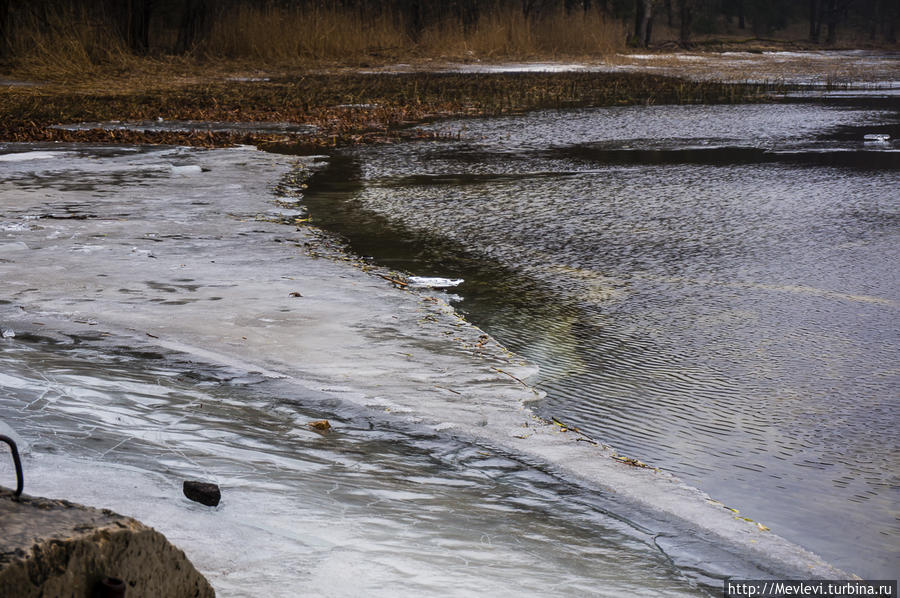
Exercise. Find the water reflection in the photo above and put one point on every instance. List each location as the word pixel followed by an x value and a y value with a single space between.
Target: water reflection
pixel 709 288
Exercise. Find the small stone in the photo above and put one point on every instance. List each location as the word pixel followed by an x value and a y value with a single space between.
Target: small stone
pixel 202 492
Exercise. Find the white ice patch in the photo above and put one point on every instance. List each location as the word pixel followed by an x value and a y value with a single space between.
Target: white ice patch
pixel 88 248
pixel 23 156
pixel 433 282
pixel 186 170
pixel 523 67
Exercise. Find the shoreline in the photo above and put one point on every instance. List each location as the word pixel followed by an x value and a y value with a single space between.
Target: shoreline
pixel 350 335
pixel 304 110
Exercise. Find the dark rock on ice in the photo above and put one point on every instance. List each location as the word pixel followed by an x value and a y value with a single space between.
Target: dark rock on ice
pixel 202 492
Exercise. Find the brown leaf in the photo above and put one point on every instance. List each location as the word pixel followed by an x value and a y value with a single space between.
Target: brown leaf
pixel 321 425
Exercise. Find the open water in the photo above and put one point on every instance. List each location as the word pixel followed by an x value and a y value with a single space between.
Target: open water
pixel 711 289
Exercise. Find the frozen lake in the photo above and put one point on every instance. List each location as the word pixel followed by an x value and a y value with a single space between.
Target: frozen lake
pixel 161 322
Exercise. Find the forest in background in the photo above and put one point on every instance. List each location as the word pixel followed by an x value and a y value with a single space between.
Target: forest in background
pixel 68 35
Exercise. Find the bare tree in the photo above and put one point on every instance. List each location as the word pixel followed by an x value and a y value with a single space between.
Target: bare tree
pixel 194 21
pixel 815 20
pixel 686 15
pixel 528 7
pixel 833 13
pixel 138 28
pixel 643 21
pixel 4 27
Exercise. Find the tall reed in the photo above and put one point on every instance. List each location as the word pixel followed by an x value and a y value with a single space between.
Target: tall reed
pixel 70 39
pixel 345 35
pixel 65 41
pixel 292 34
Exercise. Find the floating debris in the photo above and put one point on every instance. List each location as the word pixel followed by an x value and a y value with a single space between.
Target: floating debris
pixel 394 280
pixel 631 461
pixel 877 138
pixel 321 425
pixel 433 282
pixel 582 437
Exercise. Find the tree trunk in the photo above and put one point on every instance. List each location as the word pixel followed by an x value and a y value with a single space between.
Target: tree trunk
pixel 4 27
pixel 758 20
pixel 193 24
pixel 874 19
pixel 527 6
pixel 643 21
pixel 814 21
pixel 139 25
pixel 889 15
pixel 467 13
pixel 832 14
pixel 685 17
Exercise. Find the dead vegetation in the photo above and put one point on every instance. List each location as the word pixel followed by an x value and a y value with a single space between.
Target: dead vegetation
pixel 345 108
pixel 300 63
pixel 68 41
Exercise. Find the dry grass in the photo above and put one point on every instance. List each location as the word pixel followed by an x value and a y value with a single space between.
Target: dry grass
pixel 345 107
pixel 71 44
pixel 300 35
pixel 509 34
pixel 68 44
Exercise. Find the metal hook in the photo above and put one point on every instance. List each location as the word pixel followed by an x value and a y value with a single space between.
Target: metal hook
pixel 20 480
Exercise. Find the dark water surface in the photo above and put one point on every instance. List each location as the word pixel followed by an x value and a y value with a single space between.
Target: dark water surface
pixel 711 289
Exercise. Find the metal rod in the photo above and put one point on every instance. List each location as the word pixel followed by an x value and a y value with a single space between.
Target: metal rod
pixel 20 479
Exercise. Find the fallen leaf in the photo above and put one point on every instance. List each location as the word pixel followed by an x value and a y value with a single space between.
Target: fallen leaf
pixel 321 425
